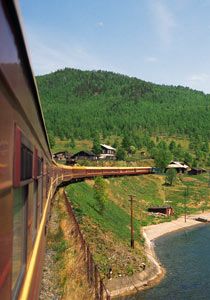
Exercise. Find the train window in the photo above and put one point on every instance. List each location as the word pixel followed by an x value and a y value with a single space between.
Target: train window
pixel 19 238
pixel 26 163
pixel 34 225
pixel 23 159
pixel 40 166
pixel 41 194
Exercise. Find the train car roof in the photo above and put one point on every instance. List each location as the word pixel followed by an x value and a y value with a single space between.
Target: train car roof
pixel 17 26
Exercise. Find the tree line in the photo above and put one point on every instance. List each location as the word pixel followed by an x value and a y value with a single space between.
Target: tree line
pixel 78 103
pixel 90 104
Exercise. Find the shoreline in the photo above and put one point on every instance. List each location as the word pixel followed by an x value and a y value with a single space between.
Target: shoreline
pixel 154 272
pixel 153 232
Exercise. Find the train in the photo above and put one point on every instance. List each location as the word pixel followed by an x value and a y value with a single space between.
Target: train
pixel 29 176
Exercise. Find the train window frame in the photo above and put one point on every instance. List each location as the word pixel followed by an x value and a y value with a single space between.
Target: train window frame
pixel 22 177
pixel 38 165
pixel 21 142
pixel 35 210
pixel 26 171
pixel 21 272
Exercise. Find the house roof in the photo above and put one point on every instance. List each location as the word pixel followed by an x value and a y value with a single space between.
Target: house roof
pixel 160 207
pixel 107 147
pixel 177 164
pixel 88 153
pixel 60 152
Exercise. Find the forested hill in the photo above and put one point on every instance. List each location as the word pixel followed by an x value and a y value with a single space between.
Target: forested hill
pixel 78 103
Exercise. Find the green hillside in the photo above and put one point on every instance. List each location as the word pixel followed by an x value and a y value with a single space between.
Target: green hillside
pixel 77 104
pixel 110 232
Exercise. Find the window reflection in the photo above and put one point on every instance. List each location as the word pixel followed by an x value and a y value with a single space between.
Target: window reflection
pixel 34 224
pixel 19 237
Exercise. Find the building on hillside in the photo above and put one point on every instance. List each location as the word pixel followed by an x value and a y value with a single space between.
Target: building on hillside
pixel 165 210
pixel 107 152
pixel 196 171
pixel 69 160
pixel 84 155
pixel 60 155
pixel 178 166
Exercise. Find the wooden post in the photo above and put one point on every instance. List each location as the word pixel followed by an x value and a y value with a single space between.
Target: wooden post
pixel 185 204
pixel 96 283
pixel 132 229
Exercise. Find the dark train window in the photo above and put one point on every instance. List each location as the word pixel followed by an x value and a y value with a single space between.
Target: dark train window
pixel 19 238
pixel 35 200
pixel 40 192
pixel 39 168
pixel 26 163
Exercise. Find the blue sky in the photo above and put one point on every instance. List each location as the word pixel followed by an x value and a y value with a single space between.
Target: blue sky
pixel 162 41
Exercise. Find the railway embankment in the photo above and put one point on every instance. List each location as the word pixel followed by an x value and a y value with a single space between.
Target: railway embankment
pixel 150 276
pixel 64 272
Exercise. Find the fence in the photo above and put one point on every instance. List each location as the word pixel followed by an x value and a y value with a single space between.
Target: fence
pixel 93 275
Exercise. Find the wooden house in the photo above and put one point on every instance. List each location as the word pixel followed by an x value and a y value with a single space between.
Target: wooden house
pixel 107 152
pixel 70 161
pixel 166 210
pixel 178 166
pixel 196 171
pixel 60 155
pixel 81 155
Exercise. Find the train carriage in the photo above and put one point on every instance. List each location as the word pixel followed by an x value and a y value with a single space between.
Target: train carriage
pixel 28 175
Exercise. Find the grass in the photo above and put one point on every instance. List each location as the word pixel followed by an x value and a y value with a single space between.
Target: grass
pixel 68 269
pixel 109 234
pixel 114 219
pixel 149 190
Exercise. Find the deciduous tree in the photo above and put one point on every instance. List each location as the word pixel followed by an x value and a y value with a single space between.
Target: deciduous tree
pixel 100 193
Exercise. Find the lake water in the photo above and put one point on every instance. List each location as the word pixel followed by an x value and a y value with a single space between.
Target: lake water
pixel 186 258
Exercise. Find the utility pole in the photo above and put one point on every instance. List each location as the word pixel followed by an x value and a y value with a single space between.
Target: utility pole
pixel 185 204
pixel 132 229
pixel 186 193
pixel 208 187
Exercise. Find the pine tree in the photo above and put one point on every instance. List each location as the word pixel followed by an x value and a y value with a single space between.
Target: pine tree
pixel 100 194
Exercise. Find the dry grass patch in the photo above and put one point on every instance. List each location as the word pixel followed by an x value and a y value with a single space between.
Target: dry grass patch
pixel 67 270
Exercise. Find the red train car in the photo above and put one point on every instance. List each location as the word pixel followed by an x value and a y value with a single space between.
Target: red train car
pixel 25 160
pixel 28 175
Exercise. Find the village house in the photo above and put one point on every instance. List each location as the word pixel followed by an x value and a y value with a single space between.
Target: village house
pixel 69 160
pixel 60 155
pixel 165 210
pixel 178 166
pixel 196 171
pixel 107 152
pixel 81 155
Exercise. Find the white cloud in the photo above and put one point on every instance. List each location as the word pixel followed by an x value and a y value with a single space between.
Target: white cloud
pixel 151 59
pixel 164 21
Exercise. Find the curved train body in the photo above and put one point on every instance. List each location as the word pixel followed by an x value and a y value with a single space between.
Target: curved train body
pixel 28 175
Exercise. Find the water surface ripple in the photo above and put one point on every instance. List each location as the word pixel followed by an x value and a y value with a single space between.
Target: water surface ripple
pixel 186 258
